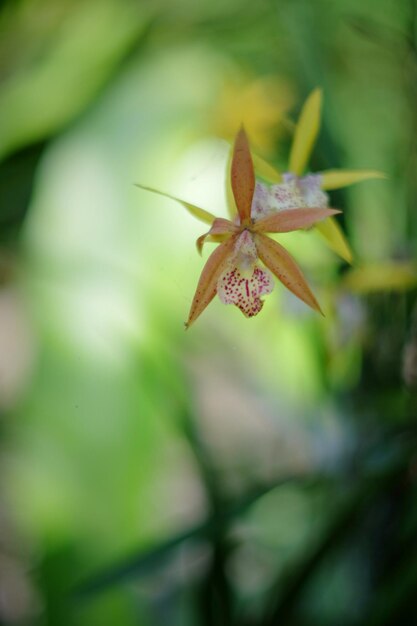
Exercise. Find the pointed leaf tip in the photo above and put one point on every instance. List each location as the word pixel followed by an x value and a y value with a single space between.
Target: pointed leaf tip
pixel 334 179
pixel 200 214
pixel 306 132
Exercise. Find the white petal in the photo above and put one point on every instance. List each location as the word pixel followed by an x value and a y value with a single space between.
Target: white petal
pixel 313 194
pixel 260 200
pixel 287 195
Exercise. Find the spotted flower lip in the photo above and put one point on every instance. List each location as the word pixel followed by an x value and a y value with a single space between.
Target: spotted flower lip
pixel 234 270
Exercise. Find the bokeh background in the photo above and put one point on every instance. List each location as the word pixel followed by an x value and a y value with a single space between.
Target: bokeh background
pixel 245 472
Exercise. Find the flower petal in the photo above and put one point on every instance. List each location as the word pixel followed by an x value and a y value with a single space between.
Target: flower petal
pixel 200 214
pixel 286 195
pixel 306 132
pixel 216 238
pixel 242 176
pixel 207 284
pixel 244 290
pixel 281 263
pixel 261 201
pixel 335 239
pixel 333 179
pixel 245 253
pixel 265 170
pixel 220 226
pixel 292 219
pixel 312 191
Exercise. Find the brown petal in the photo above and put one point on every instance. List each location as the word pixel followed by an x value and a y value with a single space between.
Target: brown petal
pixel 220 226
pixel 281 263
pixel 242 176
pixel 292 219
pixel 207 284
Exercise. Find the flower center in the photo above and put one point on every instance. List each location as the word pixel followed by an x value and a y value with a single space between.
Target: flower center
pixel 245 253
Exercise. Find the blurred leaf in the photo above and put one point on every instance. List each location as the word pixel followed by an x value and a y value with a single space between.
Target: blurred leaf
pixel 361 494
pixel 384 35
pixel 334 179
pixel 384 276
pixel 335 238
pixel 84 53
pixel 395 601
pixel 17 174
pixel 257 103
pixel 306 132
pixel 141 563
pixel 265 170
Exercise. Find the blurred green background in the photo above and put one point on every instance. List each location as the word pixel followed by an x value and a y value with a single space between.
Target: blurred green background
pixel 246 472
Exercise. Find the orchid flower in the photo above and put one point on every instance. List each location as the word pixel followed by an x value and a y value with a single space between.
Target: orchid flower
pixel 234 269
pixel 297 189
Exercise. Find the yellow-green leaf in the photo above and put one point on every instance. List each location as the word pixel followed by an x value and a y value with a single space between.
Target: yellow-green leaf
pixel 335 238
pixel 231 204
pixel 266 171
pixel 200 214
pixel 306 133
pixel 334 179
pixel 387 276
